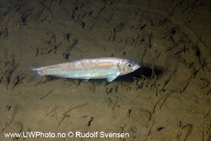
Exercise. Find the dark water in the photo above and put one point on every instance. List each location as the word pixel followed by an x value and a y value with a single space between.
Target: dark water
pixel 168 98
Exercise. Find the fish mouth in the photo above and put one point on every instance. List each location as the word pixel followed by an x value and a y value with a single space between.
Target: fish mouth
pixel 136 65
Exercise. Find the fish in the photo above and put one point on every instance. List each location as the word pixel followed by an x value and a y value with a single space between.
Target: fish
pixel 108 68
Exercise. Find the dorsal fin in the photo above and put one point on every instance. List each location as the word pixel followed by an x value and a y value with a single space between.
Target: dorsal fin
pixel 76 59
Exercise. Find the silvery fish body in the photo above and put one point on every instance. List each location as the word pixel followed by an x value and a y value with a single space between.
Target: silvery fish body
pixel 96 68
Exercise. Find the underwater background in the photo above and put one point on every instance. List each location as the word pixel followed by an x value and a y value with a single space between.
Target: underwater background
pixel 168 98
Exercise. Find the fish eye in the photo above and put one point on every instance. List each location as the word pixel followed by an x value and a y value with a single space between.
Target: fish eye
pixel 129 65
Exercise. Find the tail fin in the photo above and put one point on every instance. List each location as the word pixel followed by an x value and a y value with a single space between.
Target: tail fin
pixel 35 76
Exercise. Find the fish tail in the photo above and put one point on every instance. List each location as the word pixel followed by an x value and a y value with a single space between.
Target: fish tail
pixel 34 69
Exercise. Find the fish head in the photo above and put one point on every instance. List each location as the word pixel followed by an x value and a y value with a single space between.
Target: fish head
pixel 127 66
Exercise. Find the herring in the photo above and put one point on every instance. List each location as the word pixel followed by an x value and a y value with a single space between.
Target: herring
pixel 96 68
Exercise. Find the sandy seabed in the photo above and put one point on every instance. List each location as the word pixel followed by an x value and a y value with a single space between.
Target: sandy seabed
pixel 167 99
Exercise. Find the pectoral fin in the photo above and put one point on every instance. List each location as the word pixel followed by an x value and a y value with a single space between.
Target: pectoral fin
pixel 112 77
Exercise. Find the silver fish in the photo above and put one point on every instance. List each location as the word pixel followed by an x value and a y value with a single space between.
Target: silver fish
pixel 96 68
